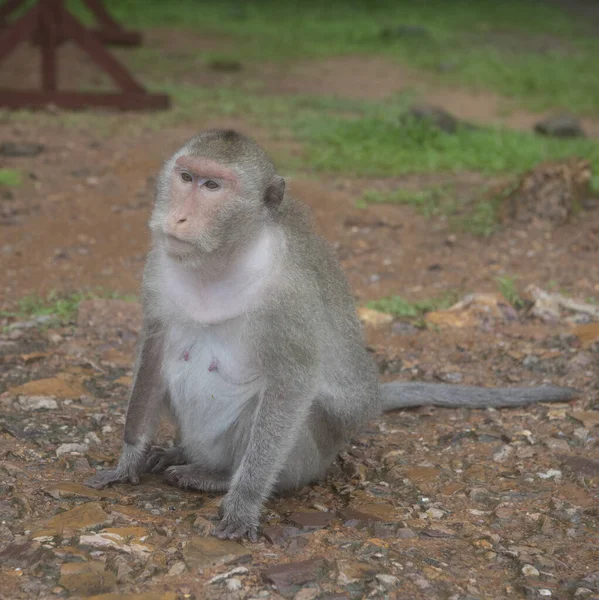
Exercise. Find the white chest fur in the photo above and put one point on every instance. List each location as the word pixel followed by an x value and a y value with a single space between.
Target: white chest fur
pixel 211 377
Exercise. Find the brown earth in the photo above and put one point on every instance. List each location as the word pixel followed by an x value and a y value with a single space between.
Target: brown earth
pixel 450 504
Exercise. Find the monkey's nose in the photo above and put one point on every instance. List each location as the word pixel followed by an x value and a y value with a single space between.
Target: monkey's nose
pixel 182 220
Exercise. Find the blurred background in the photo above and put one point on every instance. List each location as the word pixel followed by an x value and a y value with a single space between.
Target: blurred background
pixel 449 150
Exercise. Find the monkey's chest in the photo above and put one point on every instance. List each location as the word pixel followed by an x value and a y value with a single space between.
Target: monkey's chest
pixel 211 378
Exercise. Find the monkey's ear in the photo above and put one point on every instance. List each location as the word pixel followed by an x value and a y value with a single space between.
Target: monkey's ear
pixel 275 192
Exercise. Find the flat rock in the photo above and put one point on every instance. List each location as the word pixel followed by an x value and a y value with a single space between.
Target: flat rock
pixel 72 489
pixel 279 534
pixel 62 386
pixel 562 125
pixel 20 554
pixel 20 149
pixel 587 467
pixel 83 517
pixel 31 403
pixel 208 552
pixel 289 577
pixel 86 578
pixel 311 520
pixel 351 571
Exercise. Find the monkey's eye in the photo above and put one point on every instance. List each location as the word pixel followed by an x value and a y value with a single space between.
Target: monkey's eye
pixel 186 177
pixel 212 185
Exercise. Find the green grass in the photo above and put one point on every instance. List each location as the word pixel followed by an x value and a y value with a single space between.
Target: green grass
pixel 400 307
pixel 382 146
pixel 10 177
pixel 475 214
pixel 507 288
pixel 62 308
pixel 530 51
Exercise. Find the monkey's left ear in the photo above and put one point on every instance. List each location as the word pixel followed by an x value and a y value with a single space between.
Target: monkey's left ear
pixel 275 192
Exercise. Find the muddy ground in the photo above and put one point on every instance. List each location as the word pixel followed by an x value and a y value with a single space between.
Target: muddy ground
pixel 427 503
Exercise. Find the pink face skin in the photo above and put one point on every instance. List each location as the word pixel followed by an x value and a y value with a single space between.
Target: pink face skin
pixel 199 189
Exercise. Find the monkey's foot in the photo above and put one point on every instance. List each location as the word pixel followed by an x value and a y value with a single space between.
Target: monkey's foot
pixel 197 478
pixel 103 478
pixel 237 524
pixel 159 459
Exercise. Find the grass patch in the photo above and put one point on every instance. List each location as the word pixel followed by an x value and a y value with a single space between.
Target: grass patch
pixel 61 308
pixel 381 146
pixel 10 177
pixel 530 51
pixel 507 288
pixel 473 215
pixel 400 307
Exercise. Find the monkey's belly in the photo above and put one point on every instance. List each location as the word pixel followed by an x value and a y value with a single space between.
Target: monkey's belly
pixel 211 381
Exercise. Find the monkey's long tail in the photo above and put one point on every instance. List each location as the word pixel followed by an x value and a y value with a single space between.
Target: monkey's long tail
pixel 399 394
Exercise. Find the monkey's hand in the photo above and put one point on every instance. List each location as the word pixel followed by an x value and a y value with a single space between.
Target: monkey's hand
pixel 239 518
pixel 129 469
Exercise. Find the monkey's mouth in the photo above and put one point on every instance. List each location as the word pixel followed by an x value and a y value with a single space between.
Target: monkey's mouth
pixel 177 245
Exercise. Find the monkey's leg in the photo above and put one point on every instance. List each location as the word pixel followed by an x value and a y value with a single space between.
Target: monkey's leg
pixel 143 414
pixel 159 459
pixel 280 417
pixel 198 477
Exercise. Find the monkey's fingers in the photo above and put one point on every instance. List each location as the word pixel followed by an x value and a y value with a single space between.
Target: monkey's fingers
pixel 158 459
pixel 236 531
pixel 103 478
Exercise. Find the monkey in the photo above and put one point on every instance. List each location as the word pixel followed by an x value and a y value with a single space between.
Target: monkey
pixel 251 341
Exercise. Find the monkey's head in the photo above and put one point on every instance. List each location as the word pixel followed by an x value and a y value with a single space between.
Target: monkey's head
pixel 216 191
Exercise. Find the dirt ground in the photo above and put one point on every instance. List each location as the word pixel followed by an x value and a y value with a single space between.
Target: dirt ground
pixel 427 503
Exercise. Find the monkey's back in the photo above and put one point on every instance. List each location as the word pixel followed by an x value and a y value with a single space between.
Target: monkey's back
pixel 348 375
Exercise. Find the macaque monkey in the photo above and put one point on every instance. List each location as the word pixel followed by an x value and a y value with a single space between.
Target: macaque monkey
pixel 251 340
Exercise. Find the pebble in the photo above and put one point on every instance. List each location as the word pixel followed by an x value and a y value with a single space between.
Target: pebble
pixel 71 448
pixel 388 581
pixel 177 568
pixel 222 576
pixel 234 584
pixel 530 571
pixel 435 513
pixel 30 403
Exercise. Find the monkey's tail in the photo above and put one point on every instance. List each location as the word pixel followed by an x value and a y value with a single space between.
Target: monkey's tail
pixel 399 394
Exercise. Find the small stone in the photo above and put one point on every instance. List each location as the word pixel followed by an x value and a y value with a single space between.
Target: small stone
pixel 561 125
pixel 278 534
pixel 311 520
pixel 544 592
pixel 203 526
pixel 289 577
pixel 581 592
pixel 86 578
pixel 31 403
pixel 222 576
pixel 406 533
pixel 434 115
pixel 233 585
pixel 387 581
pixel 204 553
pixel 435 513
pixel 530 571
pixel 177 569
pixel 71 449
pixel 20 149
pixel 85 516
pixel 503 453
pixel 580 465
pixel 550 474
pixel 374 318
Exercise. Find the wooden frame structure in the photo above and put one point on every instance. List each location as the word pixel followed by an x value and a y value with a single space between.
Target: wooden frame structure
pixel 49 24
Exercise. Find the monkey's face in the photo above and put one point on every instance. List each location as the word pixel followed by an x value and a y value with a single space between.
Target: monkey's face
pixel 202 202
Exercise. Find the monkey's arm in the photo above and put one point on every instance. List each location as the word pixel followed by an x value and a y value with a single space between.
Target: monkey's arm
pixel 279 419
pixel 143 412
pixel 400 394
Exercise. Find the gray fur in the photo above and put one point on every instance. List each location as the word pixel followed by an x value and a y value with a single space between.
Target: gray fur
pixel 399 394
pixel 293 379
